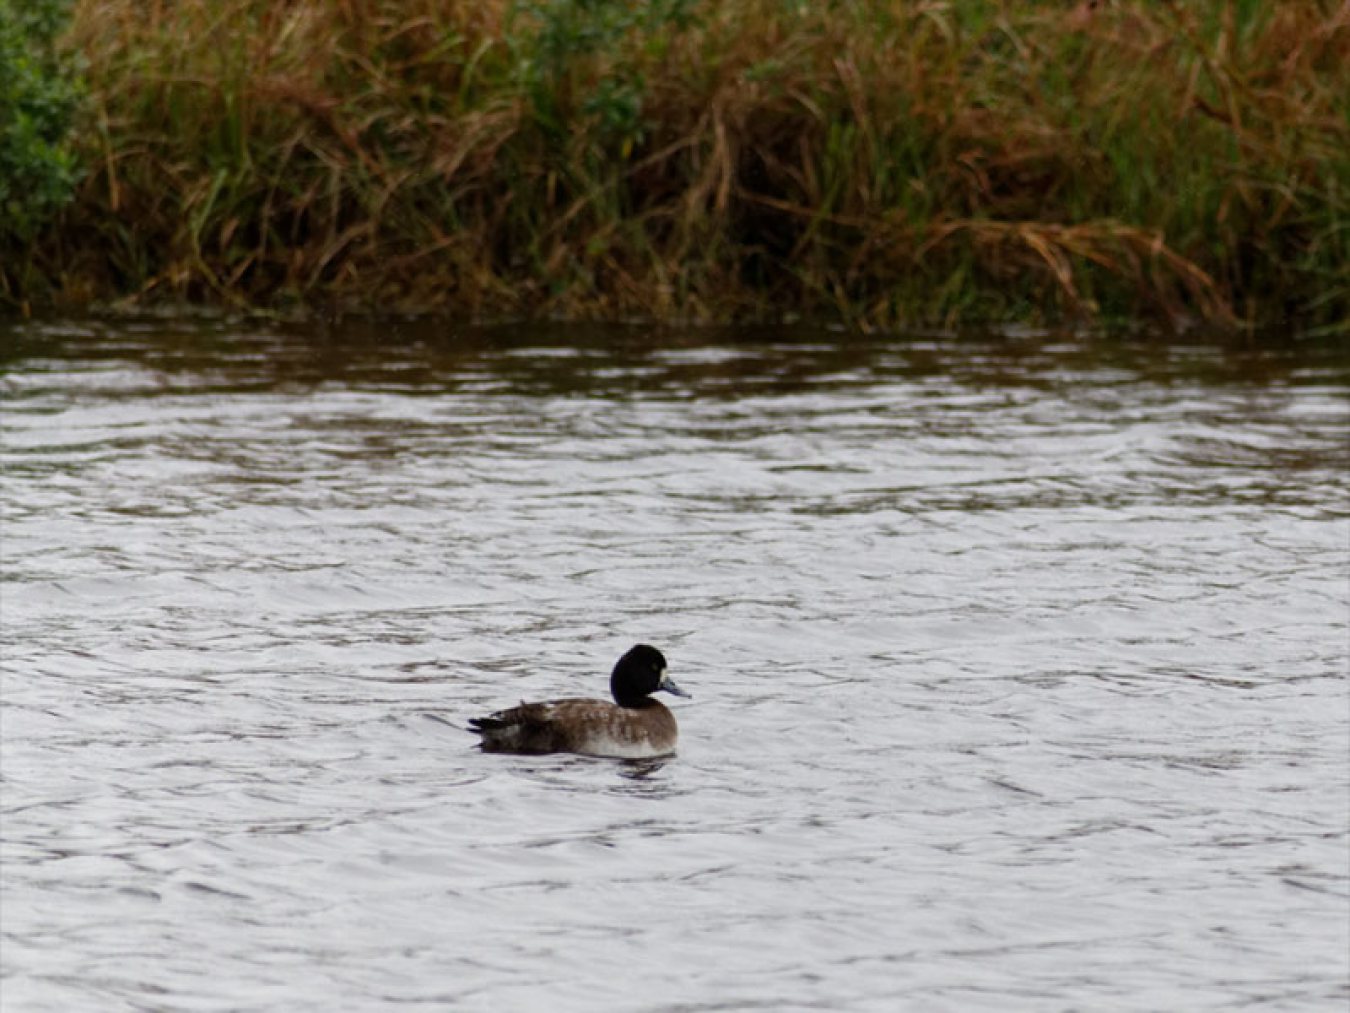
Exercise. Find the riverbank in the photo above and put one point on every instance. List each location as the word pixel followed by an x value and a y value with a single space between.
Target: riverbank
pixel 886 164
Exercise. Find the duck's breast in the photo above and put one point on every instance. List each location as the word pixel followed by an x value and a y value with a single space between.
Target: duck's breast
pixel 628 732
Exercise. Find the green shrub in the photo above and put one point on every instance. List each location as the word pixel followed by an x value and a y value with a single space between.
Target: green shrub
pixel 38 98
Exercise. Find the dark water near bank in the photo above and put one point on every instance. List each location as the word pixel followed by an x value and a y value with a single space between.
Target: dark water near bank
pixel 1019 669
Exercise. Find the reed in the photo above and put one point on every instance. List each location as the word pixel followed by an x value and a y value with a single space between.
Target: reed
pixel 886 162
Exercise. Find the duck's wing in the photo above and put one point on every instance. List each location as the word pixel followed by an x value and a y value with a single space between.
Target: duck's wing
pixel 525 714
pixel 542 727
pixel 508 717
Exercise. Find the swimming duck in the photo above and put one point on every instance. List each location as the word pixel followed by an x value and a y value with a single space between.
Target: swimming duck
pixel 634 726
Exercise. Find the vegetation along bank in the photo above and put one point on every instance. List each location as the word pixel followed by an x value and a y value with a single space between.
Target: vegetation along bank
pixel 883 162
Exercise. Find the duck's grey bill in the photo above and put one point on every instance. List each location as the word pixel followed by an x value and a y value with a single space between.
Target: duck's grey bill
pixel 668 684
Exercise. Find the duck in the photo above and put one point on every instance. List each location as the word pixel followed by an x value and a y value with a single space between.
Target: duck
pixel 633 727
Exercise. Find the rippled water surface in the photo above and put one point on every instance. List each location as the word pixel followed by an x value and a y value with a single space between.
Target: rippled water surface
pixel 1019 671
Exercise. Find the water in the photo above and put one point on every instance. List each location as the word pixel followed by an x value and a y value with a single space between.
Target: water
pixel 1019 671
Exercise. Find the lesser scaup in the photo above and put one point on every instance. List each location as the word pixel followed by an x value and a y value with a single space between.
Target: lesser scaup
pixel 633 727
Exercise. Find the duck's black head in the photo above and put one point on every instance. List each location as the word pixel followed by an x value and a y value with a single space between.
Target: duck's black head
pixel 638 674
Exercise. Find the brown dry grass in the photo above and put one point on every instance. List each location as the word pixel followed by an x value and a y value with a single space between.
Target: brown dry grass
pixel 884 162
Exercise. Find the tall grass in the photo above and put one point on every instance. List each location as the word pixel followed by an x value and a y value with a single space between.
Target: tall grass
pixel 882 161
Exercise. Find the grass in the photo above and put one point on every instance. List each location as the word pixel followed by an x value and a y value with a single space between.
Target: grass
pixel 883 163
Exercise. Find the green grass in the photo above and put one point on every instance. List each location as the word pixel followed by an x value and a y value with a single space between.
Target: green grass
pixel 884 163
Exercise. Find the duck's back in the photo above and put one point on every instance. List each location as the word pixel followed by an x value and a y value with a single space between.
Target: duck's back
pixel 594 727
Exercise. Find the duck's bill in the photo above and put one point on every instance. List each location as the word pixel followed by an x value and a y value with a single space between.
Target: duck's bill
pixel 668 684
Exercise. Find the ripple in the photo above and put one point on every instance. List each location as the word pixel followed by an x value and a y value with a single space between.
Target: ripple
pixel 1019 671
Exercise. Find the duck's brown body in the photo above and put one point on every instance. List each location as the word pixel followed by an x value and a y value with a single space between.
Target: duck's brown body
pixel 591 727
